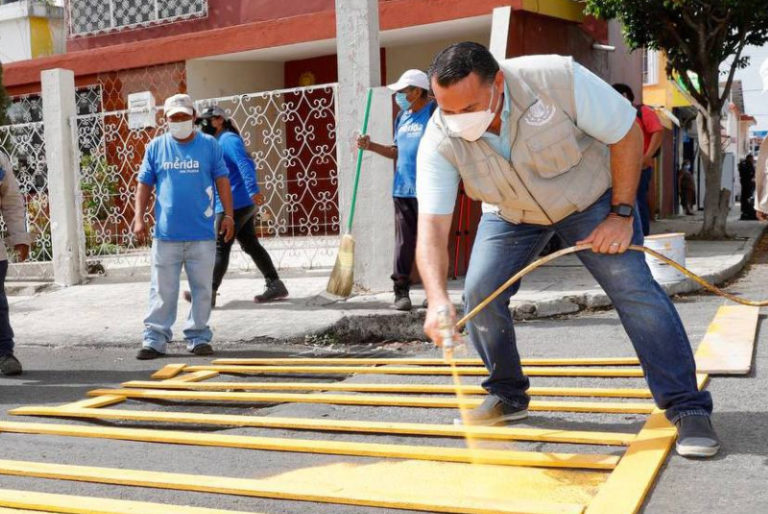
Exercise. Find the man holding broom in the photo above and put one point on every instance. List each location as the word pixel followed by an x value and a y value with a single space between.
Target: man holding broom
pixel 550 149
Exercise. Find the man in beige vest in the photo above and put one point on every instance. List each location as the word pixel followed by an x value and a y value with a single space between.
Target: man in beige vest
pixel 550 149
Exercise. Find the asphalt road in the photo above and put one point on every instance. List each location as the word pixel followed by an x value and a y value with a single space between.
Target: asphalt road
pixel 734 482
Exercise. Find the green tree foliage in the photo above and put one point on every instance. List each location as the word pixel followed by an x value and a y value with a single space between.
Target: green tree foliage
pixel 698 37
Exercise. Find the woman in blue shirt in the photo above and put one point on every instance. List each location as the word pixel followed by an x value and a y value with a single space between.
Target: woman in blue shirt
pixel 246 196
pixel 412 96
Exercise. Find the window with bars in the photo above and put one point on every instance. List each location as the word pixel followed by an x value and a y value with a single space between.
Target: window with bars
pixel 650 67
pixel 88 17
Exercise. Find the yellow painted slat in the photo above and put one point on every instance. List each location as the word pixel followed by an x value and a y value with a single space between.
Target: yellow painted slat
pixel 376 361
pixel 626 487
pixel 387 451
pixel 729 343
pixel 168 371
pixel 195 376
pixel 377 485
pixel 94 403
pixel 64 503
pixel 330 425
pixel 370 400
pixel 384 388
pixel 416 370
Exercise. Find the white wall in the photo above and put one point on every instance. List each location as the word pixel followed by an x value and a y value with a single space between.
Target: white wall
pixel 403 57
pixel 213 79
pixel 14 34
pixel 755 101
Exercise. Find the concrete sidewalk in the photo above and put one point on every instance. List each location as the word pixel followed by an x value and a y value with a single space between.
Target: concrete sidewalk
pixel 109 311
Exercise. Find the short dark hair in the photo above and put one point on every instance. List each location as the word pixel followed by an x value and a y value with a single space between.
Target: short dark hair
pixel 459 60
pixel 625 90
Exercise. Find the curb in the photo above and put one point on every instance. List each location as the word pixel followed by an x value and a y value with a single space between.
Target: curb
pixel 408 326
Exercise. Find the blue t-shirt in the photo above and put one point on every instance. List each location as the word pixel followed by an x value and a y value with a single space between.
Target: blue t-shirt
pixel 242 171
pixel 184 176
pixel 408 131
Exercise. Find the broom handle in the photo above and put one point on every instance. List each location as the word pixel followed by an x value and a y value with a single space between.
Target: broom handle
pixel 359 162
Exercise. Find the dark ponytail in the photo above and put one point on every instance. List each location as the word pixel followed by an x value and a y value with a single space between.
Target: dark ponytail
pixel 230 126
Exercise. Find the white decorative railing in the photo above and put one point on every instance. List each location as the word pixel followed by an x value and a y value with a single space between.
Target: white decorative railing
pixel 88 17
pixel 290 134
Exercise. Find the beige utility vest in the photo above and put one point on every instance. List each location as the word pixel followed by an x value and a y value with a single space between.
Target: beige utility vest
pixel 555 168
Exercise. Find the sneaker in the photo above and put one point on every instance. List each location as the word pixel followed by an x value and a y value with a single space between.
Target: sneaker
pixel 696 437
pixel 492 412
pixel 202 350
pixel 188 297
pixel 148 353
pixel 10 365
pixel 275 290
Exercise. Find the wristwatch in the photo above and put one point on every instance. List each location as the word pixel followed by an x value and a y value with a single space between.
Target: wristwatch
pixel 624 210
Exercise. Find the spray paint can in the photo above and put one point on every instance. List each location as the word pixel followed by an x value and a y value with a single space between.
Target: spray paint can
pixel 446 329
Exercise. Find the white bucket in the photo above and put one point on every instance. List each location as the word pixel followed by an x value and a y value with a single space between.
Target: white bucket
pixel 671 246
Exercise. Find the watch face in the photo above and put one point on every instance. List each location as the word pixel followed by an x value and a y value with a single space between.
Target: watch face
pixel 623 210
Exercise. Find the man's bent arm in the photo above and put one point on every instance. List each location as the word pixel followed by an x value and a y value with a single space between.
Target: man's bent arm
pixel 225 195
pixel 626 162
pixel 432 255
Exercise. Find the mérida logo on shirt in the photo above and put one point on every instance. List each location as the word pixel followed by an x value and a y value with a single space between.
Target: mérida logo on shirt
pixel 182 165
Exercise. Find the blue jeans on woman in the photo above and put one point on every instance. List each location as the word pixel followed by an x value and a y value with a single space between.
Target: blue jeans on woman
pixel 501 249
pixel 168 257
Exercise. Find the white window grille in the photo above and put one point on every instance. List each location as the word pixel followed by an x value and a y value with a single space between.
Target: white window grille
pixel 650 67
pixel 87 17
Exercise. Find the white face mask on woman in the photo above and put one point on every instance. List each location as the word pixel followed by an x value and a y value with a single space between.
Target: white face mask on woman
pixel 472 125
pixel 181 129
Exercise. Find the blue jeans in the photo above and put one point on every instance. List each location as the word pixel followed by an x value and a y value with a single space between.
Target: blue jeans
pixel 501 249
pixel 168 257
pixel 6 332
pixel 642 199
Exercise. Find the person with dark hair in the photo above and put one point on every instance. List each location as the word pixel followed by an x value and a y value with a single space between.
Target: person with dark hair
pixel 652 134
pixel 549 148
pixel 747 182
pixel 13 214
pixel 412 96
pixel 246 197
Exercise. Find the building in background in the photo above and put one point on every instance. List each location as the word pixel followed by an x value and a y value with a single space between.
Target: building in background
pixel 30 29
pixel 249 57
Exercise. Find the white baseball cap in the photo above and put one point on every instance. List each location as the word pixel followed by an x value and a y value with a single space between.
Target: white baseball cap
pixel 179 103
pixel 764 75
pixel 416 78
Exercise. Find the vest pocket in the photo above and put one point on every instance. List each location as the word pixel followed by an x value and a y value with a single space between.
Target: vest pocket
pixel 554 151
pixel 479 183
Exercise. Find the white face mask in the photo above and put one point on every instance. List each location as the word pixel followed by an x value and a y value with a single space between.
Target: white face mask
pixel 181 129
pixel 471 125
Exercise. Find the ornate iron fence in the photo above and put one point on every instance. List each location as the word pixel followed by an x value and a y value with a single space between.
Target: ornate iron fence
pixel 289 133
pixel 25 145
pixel 97 16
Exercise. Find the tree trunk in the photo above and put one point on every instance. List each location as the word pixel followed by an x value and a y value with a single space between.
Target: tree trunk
pixel 716 197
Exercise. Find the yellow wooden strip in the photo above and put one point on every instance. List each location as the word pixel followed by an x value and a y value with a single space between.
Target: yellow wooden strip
pixel 64 503
pixel 626 487
pixel 374 361
pixel 384 388
pixel 4 510
pixel 371 400
pixel 416 370
pixel 168 371
pixel 388 451
pixel 196 376
pixel 330 425
pixel 436 490
pixel 728 345
pixel 101 401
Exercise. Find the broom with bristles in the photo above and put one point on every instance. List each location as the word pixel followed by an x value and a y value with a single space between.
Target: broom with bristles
pixel 343 275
